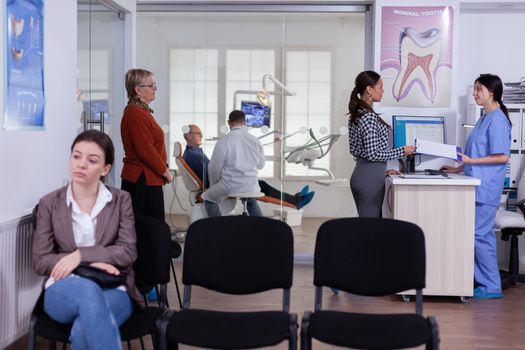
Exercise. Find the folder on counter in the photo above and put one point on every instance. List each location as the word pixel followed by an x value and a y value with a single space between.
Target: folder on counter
pixel 437 149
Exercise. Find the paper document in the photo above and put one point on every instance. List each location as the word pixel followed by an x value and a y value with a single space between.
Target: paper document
pixel 437 149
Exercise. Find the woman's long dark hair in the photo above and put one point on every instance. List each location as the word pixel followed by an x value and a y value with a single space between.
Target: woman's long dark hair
pixel 493 84
pixel 362 81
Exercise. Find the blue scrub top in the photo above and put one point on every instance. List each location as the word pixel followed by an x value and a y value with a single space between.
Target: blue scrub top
pixel 491 135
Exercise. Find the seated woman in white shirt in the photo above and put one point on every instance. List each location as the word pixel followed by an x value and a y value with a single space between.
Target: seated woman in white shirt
pixel 90 223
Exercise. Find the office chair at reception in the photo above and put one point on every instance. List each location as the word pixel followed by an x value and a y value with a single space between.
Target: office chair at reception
pixel 512 224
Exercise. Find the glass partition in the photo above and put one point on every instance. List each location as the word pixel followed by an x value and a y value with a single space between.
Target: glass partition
pixel 100 62
pixel 290 72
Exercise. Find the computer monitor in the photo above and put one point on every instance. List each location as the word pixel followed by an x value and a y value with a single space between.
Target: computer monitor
pixel 408 128
pixel 257 114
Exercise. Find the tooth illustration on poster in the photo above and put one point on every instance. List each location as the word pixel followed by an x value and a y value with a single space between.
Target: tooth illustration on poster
pixel 416 55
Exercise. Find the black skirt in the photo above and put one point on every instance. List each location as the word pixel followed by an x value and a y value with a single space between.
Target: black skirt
pixel 147 200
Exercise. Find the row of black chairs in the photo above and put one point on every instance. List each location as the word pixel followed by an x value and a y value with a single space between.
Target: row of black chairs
pixel 244 255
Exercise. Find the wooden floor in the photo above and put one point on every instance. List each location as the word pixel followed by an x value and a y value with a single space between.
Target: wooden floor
pixel 479 324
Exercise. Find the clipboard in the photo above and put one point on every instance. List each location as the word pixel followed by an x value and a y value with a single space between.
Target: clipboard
pixel 437 149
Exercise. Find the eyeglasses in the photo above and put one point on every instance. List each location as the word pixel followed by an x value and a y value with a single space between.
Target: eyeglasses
pixel 152 86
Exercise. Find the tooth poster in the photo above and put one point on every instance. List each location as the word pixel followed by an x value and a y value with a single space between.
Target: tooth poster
pixel 416 55
pixel 24 83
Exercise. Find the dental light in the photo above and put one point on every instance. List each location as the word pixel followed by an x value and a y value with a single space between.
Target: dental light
pixel 263 96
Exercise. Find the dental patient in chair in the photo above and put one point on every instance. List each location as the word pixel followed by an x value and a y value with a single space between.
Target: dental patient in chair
pixel 198 162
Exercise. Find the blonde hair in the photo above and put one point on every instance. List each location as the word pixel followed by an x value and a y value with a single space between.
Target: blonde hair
pixel 135 77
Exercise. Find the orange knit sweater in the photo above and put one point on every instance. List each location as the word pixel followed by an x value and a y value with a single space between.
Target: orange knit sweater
pixel 144 147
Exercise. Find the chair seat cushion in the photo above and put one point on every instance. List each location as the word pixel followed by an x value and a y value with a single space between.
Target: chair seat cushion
pixel 369 331
pixel 228 330
pixel 505 218
pixel 140 323
pixel 48 328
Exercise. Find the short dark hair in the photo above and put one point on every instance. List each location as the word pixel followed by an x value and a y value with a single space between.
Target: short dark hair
pixel 237 116
pixel 101 139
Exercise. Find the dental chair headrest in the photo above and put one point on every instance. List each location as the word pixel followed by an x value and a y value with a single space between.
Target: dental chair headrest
pixel 177 149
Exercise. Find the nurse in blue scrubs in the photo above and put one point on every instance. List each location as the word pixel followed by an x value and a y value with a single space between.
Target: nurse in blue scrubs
pixel 486 156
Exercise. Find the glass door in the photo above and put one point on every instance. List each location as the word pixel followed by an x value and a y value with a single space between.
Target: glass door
pixel 100 74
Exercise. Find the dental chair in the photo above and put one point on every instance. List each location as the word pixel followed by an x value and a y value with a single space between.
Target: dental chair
pixel 192 183
pixel 195 187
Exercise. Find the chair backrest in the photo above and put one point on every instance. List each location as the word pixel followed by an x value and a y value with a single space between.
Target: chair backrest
pixel 520 197
pixel 192 182
pixel 238 254
pixel 370 256
pixel 152 266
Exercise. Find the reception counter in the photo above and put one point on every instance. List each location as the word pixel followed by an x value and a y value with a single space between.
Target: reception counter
pixel 444 209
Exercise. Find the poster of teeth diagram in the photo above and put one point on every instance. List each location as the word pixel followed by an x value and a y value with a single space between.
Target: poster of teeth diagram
pixel 416 55
pixel 24 83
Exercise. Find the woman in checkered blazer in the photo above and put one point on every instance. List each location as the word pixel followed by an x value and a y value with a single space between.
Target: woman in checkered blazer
pixel 368 141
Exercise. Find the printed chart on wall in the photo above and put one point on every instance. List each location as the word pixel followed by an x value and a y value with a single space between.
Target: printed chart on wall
pixel 416 55
pixel 24 86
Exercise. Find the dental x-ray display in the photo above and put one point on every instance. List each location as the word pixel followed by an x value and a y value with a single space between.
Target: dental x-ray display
pixel 257 114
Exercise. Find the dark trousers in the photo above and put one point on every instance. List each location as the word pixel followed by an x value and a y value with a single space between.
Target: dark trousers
pixel 147 200
pixel 275 193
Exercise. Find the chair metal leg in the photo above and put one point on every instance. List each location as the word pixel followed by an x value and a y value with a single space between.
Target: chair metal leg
pixel 244 209
pixel 510 278
pixel 141 343
pixel 514 260
pixel 306 339
pixel 31 341
pixel 292 343
pixel 434 330
pixel 161 325
pixel 176 283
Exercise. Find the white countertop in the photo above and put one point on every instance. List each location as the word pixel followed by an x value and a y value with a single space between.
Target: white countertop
pixel 422 179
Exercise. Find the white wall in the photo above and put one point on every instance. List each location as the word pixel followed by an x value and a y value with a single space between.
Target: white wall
pixel 489 43
pixel 36 162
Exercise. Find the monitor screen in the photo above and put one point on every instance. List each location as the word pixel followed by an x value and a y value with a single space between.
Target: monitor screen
pixel 408 128
pixel 257 114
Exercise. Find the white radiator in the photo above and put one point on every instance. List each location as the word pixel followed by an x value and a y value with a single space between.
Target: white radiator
pixel 19 285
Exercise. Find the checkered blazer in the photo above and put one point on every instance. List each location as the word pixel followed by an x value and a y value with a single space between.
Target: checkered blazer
pixel 368 139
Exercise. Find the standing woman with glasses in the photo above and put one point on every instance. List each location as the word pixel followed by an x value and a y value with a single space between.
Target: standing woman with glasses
pixel 487 153
pixel 368 141
pixel 145 168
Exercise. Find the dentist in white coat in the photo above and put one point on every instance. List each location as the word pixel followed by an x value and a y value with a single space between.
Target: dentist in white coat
pixel 234 166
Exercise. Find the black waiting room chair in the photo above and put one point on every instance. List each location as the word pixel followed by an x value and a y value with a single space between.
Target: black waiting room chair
pixel 152 268
pixel 236 255
pixel 512 224
pixel 371 257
